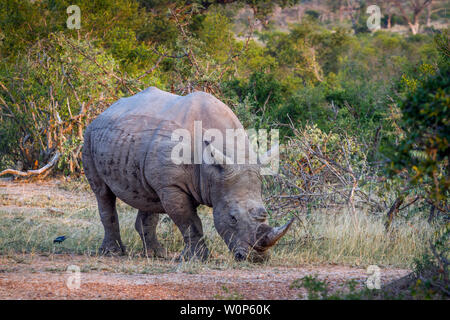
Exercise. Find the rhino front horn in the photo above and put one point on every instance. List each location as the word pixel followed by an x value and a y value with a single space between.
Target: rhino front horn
pixel 275 234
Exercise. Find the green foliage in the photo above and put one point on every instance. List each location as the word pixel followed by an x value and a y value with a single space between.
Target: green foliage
pixel 307 51
pixel 418 288
pixel 263 92
pixel 49 95
pixel 317 289
pixel 216 33
pixel 320 290
pixel 424 151
pixel 24 22
pixel 422 155
pixel 227 294
pixel 431 271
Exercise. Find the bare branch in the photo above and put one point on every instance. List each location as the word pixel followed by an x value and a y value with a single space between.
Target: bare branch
pixel 38 172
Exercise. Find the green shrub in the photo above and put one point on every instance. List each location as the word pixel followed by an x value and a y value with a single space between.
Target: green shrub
pixel 424 151
pixel 49 96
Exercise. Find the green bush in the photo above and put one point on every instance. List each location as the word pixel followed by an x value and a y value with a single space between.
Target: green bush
pixel 49 96
pixel 424 151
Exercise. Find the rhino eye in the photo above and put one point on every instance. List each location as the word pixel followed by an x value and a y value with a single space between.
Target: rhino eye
pixel 233 220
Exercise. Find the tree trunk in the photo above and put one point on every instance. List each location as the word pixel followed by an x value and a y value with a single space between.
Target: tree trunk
pixel 417 9
pixel 432 211
pixel 299 13
pixel 394 210
pixel 414 26
pixel 429 16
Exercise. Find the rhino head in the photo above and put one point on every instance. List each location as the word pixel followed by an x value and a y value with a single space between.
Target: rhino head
pixel 238 210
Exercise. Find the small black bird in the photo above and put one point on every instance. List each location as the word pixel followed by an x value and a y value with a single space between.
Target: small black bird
pixel 59 239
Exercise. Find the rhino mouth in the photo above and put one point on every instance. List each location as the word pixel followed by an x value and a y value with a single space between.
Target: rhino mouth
pixel 251 254
pixel 240 255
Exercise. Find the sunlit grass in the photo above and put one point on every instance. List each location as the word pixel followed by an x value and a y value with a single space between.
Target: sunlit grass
pixel 361 240
pixel 322 238
pixel 29 224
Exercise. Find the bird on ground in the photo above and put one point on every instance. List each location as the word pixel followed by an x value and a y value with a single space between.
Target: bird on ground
pixel 59 239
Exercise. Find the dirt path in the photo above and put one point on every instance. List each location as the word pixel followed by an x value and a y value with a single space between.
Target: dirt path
pixel 37 277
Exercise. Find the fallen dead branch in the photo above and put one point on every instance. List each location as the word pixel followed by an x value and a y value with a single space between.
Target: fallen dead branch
pixel 37 172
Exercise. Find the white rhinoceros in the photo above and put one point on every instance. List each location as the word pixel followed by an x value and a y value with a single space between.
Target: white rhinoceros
pixel 127 154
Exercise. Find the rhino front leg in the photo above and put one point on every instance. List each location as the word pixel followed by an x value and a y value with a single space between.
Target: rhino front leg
pixel 146 223
pixel 180 208
pixel 112 243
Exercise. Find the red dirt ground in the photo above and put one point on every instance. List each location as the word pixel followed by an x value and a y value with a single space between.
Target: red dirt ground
pixel 33 281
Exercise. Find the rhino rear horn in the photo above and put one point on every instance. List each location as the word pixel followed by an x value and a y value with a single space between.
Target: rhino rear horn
pixel 275 234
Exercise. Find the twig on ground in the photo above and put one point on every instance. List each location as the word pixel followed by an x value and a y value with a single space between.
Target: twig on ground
pixel 29 173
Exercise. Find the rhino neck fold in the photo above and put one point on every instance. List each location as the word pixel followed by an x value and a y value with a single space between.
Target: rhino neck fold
pixel 203 186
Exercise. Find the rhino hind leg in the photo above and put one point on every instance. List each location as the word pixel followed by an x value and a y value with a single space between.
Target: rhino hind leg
pixel 146 223
pixel 106 201
pixel 112 243
pixel 181 209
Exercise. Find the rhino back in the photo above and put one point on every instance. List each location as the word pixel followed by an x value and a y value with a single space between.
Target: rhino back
pixel 153 105
pixel 130 142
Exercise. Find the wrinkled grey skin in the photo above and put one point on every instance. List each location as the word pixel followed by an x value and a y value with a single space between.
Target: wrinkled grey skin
pixel 127 154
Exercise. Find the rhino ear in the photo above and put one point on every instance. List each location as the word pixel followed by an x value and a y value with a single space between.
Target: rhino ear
pixel 215 156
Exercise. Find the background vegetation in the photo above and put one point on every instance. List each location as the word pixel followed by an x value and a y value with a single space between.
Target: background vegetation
pixel 364 115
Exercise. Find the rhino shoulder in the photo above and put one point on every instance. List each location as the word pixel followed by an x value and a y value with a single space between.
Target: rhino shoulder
pixel 215 112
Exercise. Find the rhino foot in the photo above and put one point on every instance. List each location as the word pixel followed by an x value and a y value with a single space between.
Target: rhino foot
pixel 157 251
pixel 200 252
pixel 112 247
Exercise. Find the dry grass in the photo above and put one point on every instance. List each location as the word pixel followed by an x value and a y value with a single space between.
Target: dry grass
pixel 29 221
pixel 361 240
